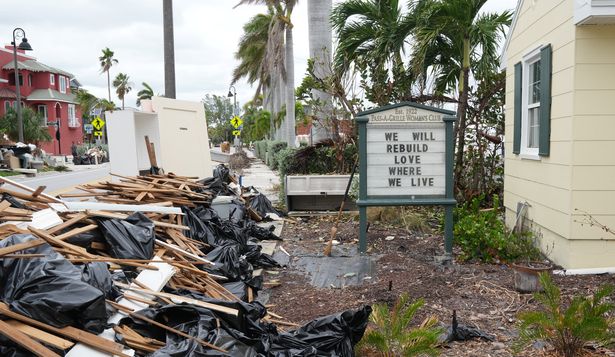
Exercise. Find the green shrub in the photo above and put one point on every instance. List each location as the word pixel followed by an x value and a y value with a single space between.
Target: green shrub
pixel 273 148
pixel 569 328
pixel 482 235
pixel 285 159
pixel 260 148
pixel 393 335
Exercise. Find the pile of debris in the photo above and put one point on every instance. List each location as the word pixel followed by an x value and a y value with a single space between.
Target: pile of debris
pixel 148 265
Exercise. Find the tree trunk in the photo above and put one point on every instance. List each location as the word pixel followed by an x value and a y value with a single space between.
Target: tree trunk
pixel 122 103
pixel 319 26
pixel 462 108
pixel 109 84
pixel 169 49
pixel 290 89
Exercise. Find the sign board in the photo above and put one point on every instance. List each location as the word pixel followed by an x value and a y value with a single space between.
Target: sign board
pixel 88 128
pixel 405 153
pixel 98 123
pixel 236 132
pixel 98 133
pixel 236 122
pixel 406 158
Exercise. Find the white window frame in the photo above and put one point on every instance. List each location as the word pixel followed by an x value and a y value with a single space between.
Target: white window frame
pixel 62 84
pixel 527 152
pixel 72 118
pixel 52 79
pixel 46 117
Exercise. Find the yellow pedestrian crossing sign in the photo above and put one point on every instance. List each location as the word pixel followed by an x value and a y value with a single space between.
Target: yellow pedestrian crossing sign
pixel 98 133
pixel 98 123
pixel 236 122
pixel 236 132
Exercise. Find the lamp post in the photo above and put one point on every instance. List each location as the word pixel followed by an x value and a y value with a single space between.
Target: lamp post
pixel 24 46
pixel 234 95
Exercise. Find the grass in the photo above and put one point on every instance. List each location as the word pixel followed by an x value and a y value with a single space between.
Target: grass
pixel 9 173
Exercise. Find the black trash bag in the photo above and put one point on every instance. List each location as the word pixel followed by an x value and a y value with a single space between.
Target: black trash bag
pixel 222 172
pixel 49 288
pixel 458 332
pixel 85 239
pixel 333 335
pixel 261 233
pixel 229 262
pixel 219 329
pixel 214 185
pixel 97 274
pixel 262 205
pixel 254 256
pixel 14 202
pixel 238 288
pixel 130 238
pixel 200 229
pixel 234 210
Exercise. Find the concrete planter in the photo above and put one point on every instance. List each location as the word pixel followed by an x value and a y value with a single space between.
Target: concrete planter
pixel 317 192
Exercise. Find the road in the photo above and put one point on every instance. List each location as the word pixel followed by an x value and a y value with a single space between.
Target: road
pixel 63 182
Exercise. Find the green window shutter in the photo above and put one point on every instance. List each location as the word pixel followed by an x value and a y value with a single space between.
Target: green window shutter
pixel 518 108
pixel 545 101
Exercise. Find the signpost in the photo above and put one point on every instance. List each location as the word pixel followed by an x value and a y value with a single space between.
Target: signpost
pixel 406 159
pixel 98 134
pixel 236 132
pixel 98 123
pixel 236 122
pixel 88 128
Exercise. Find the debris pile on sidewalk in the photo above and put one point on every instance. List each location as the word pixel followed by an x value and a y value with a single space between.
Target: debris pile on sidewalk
pixel 158 264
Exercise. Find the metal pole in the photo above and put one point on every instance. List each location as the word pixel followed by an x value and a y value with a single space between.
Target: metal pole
pixel 169 49
pixel 362 123
pixel 450 194
pixel 17 89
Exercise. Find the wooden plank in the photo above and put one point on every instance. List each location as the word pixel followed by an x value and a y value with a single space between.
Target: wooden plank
pixel 29 189
pixel 84 337
pixel 25 341
pixel 4 205
pixel 42 336
pixel 219 308
pixel 38 191
pixel 67 224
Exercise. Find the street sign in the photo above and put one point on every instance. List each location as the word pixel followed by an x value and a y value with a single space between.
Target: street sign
pixel 98 133
pixel 406 159
pixel 236 132
pixel 236 122
pixel 88 128
pixel 98 123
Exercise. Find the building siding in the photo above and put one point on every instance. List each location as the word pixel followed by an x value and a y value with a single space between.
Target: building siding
pixel 545 184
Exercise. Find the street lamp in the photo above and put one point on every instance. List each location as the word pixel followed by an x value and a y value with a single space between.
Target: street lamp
pixel 234 95
pixel 24 46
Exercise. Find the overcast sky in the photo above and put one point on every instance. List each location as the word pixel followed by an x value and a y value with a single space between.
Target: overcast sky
pixel 69 34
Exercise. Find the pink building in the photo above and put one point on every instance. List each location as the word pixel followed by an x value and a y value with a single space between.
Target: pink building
pixel 45 89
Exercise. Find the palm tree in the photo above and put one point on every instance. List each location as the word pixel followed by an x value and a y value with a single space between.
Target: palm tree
pixel 122 86
pixel 455 38
pixel 144 94
pixel 169 49
pixel 372 36
pixel 251 52
pixel 319 27
pixel 279 57
pixel 106 62
pixel 106 105
pixel 87 101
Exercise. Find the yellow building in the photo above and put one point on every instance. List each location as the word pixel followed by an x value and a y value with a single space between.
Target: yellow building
pixel 560 127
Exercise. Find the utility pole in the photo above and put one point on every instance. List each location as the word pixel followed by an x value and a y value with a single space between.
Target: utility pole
pixel 169 49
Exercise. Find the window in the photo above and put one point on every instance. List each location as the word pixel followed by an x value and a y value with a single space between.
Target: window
pixel 72 118
pixel 29 80
pixel 62 84
pixel 533 104
pixel 52 79
pixel 42 110
pixel 12 79
pixel 7 106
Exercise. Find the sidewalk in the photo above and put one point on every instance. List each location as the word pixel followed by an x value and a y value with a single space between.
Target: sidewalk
pixel 262 178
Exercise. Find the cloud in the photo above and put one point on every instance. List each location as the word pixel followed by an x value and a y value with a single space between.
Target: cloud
pixel 69 34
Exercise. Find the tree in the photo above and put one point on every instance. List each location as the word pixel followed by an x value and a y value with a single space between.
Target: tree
pixel 169 49
pixel 106 105
pixel 455 38
pixel 122 86
pixel 279 57
pixel 144 94
pixel 251 52
pixel 319 27
pixel 218 112
pixel 372 37
pixel 34 129
pixel 106 62
pixel 87 102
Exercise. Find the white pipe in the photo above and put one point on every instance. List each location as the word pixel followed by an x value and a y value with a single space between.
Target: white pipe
pixel 585 271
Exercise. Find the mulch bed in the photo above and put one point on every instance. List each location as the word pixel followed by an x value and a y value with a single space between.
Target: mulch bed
pixel 482 294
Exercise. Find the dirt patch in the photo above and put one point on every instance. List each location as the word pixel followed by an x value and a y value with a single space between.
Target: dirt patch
pixel 482 294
